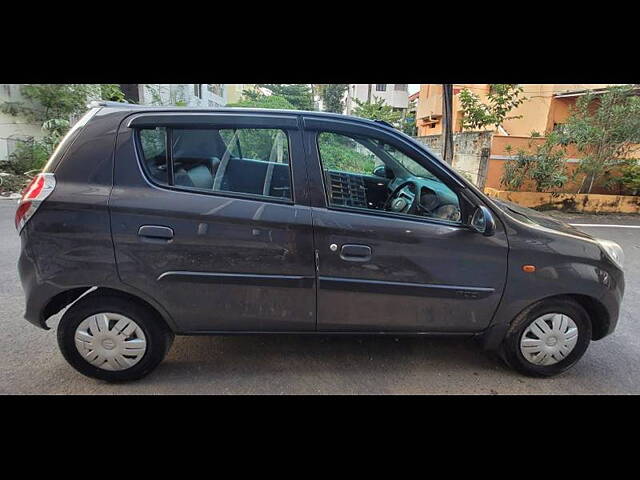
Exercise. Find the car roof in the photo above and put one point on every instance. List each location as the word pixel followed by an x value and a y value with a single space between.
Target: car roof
pixel 307 113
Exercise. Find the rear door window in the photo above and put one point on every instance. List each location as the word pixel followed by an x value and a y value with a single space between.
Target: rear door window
pixel 249 161
pixel 154 148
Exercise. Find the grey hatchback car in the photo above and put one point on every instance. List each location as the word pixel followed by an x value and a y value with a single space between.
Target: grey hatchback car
pixel 150 222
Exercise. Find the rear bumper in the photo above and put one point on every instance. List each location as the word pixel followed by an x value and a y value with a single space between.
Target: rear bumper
pixel 37 295
pixel 42 298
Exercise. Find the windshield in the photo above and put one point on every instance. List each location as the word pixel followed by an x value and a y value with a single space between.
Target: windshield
pixel 410 165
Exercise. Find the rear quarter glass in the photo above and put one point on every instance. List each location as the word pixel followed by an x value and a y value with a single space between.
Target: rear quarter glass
pixel 67 140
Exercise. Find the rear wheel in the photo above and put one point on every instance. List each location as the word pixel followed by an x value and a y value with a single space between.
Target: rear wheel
pixel 112 338
pixel 547 338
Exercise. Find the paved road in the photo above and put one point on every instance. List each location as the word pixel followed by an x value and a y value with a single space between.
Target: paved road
pixel 30 361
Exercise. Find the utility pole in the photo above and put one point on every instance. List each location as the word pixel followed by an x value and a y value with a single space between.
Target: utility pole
pixel 369 93
pixel 447 122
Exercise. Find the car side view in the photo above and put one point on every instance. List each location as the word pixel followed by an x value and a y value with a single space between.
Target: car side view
pixel 150 222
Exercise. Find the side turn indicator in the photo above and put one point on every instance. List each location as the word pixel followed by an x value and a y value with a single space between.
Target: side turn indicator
pixel 528 268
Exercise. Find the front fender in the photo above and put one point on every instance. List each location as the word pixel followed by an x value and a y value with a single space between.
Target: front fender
pixel 565 265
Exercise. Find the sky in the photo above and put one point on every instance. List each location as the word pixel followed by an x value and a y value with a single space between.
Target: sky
pixel 413 88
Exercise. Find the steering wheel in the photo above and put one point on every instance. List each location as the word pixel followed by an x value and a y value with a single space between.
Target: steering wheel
pixel 403 200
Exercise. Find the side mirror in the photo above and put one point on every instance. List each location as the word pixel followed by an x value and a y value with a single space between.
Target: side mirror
pixel 483 222
pixel 383 171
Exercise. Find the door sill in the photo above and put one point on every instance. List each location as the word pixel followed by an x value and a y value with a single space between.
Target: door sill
pixel 329 332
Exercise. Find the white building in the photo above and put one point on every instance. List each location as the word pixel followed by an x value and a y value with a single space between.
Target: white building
pixel 183 94
pixel 14 129
pixel 395 95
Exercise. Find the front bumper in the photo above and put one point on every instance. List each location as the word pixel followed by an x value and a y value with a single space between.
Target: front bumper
pixel 612 301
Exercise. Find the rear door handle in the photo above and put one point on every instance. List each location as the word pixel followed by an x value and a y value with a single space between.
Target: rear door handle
pixel 155 232
pixel 355 253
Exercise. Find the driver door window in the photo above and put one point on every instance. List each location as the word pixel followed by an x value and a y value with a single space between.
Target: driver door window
pixel 367 173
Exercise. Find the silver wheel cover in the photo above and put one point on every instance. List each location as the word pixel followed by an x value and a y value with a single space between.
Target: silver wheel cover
pixel 549 339
pixel 110 341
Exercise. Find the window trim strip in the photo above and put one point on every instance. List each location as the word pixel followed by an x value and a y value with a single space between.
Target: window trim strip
pixel 194 190
pixel 169 154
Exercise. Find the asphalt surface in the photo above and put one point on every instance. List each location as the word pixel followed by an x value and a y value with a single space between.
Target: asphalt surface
pixel 30 362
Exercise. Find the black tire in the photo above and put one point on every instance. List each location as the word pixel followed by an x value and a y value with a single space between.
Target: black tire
pixel 158 336
pixel 510 350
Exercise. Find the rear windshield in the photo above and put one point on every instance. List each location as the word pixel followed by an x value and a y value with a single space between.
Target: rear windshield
pixel 67 140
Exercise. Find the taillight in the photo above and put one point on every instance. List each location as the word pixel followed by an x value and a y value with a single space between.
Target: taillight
pixel 32 196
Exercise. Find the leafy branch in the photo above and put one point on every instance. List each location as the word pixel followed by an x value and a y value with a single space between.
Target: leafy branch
pixel 502 98
pixel 377 110
pixel 53 106
pixel 605 129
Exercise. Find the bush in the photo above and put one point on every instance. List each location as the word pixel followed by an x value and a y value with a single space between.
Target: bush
pixel 631 176
pixel 627 181
pixel 545 166
pixel 515 171
pixel 29 155
pixel 549 171
pixel 10 183
pixel 341 153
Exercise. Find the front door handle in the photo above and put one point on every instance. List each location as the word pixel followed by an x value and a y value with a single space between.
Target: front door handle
pixel 355 253
pixel 155 232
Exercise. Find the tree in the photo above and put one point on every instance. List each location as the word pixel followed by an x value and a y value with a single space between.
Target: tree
pixel 112 92
pixel 408 122
pixel 377 110
pixel 176 95
pixel 57 101
pixel 263 101
pixel 332 95
pixel 502 98
pixel 317 90
pixel 297 94
pixel 605 129
pixel 53 106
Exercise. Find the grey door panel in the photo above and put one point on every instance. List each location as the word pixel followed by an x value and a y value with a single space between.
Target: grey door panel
pixel 415 274
pixel 231 264
pixel 420 276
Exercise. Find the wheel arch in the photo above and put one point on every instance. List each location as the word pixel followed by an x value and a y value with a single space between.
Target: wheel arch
pixel 597 314
pixel 66 298
pixel 595 309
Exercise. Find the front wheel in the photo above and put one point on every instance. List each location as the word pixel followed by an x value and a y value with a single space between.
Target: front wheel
pixel 112 338
pixel 547 338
